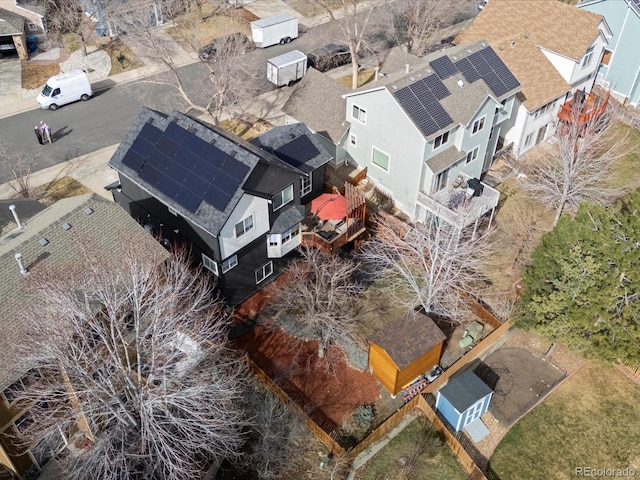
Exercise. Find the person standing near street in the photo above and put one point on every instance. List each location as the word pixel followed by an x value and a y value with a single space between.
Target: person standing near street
pixel 38 134
pixel 47 132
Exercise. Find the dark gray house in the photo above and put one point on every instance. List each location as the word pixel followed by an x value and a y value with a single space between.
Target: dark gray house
pixel 239 205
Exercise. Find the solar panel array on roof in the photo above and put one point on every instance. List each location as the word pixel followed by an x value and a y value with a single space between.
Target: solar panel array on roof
pixel 298 151
pixel 184 167
pixel 487 65
pixel 444 67
pixel 421 101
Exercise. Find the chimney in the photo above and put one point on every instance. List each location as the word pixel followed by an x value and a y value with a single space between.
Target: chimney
pixel 406 68
pixel 15 216
pixel 18 257
pixel 376 70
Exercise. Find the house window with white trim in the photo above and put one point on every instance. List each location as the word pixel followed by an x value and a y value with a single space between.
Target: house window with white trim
pixel 359 114
pixel 244 226
pixel 441 140
pixel 305 184
pixel 264 271
pixel 229 263
pixel 32 27
pixel 353 139
pixel 282 198
pixel 472 155
pixel 380 159
pixel 477 126
pixel 527 140
pixel 209 264
pixel 14 390
pixel 588 57
pixel 441 180
pixel 290 234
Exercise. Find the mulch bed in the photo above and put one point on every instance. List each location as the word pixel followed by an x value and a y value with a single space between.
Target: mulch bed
pixel 327 395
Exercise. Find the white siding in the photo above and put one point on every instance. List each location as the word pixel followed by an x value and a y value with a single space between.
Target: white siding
pixel 248 205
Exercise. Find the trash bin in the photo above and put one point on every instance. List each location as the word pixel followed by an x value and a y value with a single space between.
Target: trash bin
pixel 32 43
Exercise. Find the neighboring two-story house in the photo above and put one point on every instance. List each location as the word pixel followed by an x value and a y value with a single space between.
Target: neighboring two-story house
pixel 47 240
pixel 552 48
pixel 417 133
pixel 237 204
pixel 620 66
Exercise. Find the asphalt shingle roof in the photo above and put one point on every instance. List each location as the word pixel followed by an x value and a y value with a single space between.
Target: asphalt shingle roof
pixel 464 390
pixel 518 30
pixel 11 23
pixel 409 337
pixel 97 225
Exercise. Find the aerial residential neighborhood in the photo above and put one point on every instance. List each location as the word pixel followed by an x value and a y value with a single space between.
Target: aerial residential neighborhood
pixel 319 239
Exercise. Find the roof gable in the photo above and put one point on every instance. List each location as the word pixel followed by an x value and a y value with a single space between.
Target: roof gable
pixel 11 23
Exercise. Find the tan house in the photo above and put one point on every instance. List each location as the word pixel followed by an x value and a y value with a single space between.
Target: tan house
pixel 52 238
pixel 405 349
pixel 552 48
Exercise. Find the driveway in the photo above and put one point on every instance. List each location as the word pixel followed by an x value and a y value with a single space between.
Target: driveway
pixel 10 80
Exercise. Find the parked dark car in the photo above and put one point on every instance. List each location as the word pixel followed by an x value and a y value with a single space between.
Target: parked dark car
pixel 234 44
pixel 328 57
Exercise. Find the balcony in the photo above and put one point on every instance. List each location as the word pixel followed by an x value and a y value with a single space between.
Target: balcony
pixel 582 110
pixel 458 206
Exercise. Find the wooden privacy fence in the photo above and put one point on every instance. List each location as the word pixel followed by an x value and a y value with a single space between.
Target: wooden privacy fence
pixel 319 433
pixel 463 457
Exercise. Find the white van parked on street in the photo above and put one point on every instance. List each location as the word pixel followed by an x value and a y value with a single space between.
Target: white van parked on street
pixel 65 88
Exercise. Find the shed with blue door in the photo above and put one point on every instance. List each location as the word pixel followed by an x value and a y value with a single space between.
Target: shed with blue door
pixel 462 401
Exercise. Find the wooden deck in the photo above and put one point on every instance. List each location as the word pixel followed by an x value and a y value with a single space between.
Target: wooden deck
pixel 583 110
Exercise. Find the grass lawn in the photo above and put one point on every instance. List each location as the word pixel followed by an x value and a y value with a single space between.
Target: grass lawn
pixel 364 76
pixel 437 463
pixel 63 188
pixel 591 421
pixel 625 175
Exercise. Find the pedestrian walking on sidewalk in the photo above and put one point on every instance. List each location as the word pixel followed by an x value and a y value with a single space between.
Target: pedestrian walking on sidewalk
pixel 47 132
pixel 38 134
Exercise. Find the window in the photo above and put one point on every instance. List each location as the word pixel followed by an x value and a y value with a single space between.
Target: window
pixel 244 226
pixel 305 184
pixel 264 272
pixel 359 114
pixel 478 125
pixel 172 211
pixel 527 140
pixel 209 264
pixel 441 140
pixel 24 422
pixel 353 140
pixel 380 159
pixel 441 180
pixel 544 109
pixel 14 390
pixel 291 233
pixel 32 27
pixel 491 133
pixel 274 240
pixel 472 155
pixel 229 263
pixel 587 57
pixel 282 198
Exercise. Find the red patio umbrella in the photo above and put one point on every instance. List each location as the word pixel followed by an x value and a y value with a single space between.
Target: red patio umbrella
pixel 329 206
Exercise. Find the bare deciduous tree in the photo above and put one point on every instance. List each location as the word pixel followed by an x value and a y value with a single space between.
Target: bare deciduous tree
pixel 321 295
pixel 226 84
pixel 581 168
pixel 276 434
pixel 430 265
pixel 353 17
pixel 135 357
pixel 419 21
pixel 68 16
pixel 20 165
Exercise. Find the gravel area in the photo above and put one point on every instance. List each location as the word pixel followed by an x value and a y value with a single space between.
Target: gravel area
pixel 97 64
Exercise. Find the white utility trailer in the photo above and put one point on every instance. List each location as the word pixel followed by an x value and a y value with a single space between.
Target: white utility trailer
pixel 287 68
pixel 278 29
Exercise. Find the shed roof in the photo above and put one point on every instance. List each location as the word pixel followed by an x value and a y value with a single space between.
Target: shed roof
pixel 96 225
pixel 11 23
pixel 532 26
pixel 464 390
pixel 408 337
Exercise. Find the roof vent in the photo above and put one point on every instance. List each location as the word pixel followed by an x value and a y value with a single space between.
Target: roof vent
pixel 15 216
pixel 460 83
pixel 454 58
pixel 512 43
pixel 429 71
pixel 18 257
pixel 88 210
pixel 66 226
pixel 483 45
pixel 395 87
pixel 526 35
pixel 469 50
pixel 43 241
pixel 412 79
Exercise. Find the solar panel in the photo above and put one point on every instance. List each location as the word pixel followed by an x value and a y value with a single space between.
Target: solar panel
pixel 167 186
pixel 297 152
pixel 436 86
pixel 196 185
pixel 236 169
pixel 510 82
pixel 491 69
pixel 175 133
pixel 150 174
pixel 188 200
pixel 226 185
pixel 167 147
pixel 217 199
pixel 133 160
pixel 444 67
